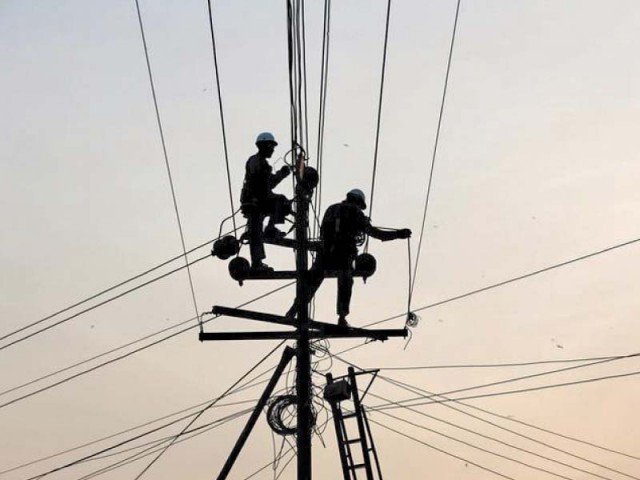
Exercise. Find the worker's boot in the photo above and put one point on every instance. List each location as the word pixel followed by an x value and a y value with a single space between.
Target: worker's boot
pixel 271 232
pixel 261 267
pixel 342 321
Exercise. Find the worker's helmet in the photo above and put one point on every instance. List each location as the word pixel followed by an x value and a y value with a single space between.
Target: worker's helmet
pixel 266 137
pixel 357 196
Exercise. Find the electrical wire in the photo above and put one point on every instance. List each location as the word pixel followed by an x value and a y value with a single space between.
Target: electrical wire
pixel 484 450
pixel 304 78
pixel 501 365
pixel 166 156
pixel 191 422
pixel 527 377
pixel 422 442
pixel 324 75
pixel 545 430
pixel 159 441
pixel 224 132
pixel 541 374
pixel 95 357
pixel 100 453
pixel 494 439
pixel 415 389
pixel 139 349
pixel 511 280
pixel 247 385
pixel 436 142
pixel 379 119
pixel 106 290
pixel 264 467
pixel 104 302
pixel 152 449
pixel 524 390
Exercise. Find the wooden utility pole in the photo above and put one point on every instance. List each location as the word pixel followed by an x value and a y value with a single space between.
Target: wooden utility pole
pixel 303 366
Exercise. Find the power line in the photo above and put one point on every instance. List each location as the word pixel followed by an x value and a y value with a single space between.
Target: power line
pixel 488 437
pixel 108 449
pixel 431 395
pixel 524 390
pixel 457 457
pixel 304 78
pixel 104 302
pixel 468 444
pixel 224 133
pixel 535 375
pixel 324 81
pixel 422 308
pixel 106 290
pixel 415 389
pixel 156 443
pixel 511 280
pixel 275 460
pixel 435 143
pixel 208 407
pixel 166 157
pixel 567 437
pixel 205 427
pixel 121 347
pixel 95 357
pixel 139 349
pixel 376 145
pixel 249 384
pixel 447 400
pixel 501 365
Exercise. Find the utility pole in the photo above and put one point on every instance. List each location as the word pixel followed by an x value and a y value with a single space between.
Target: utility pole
pixel 303 365
pixel 305 329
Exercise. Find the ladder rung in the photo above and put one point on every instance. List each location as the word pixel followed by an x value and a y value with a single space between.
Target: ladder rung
pixel 360 465
pixel 353 440
pixel 350 415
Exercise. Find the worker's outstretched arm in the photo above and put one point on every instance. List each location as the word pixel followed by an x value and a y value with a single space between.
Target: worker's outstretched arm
pixel 386 235
pixel 280 175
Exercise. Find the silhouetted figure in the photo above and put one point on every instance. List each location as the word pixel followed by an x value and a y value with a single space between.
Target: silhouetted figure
pixel 344 224
pixel 259 202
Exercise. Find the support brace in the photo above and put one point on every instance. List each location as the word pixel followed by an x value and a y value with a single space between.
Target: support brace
pixel 287 355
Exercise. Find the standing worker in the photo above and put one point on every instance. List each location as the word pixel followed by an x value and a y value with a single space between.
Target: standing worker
pixel 258 200
pixel 342 226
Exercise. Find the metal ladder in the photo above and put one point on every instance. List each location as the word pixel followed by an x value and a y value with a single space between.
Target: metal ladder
pixel 350 469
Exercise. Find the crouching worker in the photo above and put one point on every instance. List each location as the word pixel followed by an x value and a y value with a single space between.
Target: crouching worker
pixel 259 202
pixel 342 226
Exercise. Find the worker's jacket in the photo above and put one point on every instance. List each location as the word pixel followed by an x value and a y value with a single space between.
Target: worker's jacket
pixel 259 180
pixel 343 225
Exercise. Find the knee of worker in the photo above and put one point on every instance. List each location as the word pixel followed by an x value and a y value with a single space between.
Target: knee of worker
pixel 285 205
pixel 254 226
pixel 280 207
pixel 346 281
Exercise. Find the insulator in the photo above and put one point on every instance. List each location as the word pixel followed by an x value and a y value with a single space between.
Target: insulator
pixel 310 179
pixel 239 269
pixel 366 264
pixel 226 247
pixel 412 320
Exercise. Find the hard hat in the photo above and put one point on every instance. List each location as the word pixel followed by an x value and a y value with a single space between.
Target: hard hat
pixel 358 196
pixel 266 137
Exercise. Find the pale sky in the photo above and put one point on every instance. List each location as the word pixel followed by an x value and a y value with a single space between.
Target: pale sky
pixel 538 164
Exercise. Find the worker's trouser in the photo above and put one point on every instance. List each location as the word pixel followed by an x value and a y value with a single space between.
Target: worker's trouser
pixel 276 207
pixel 344 266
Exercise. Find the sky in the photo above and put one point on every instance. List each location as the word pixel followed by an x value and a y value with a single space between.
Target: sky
pixel 537 164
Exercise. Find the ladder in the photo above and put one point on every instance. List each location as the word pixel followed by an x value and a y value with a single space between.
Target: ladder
pixel 358 454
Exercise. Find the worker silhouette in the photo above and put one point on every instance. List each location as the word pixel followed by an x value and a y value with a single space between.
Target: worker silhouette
pixel 259 202
pixel 344 226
